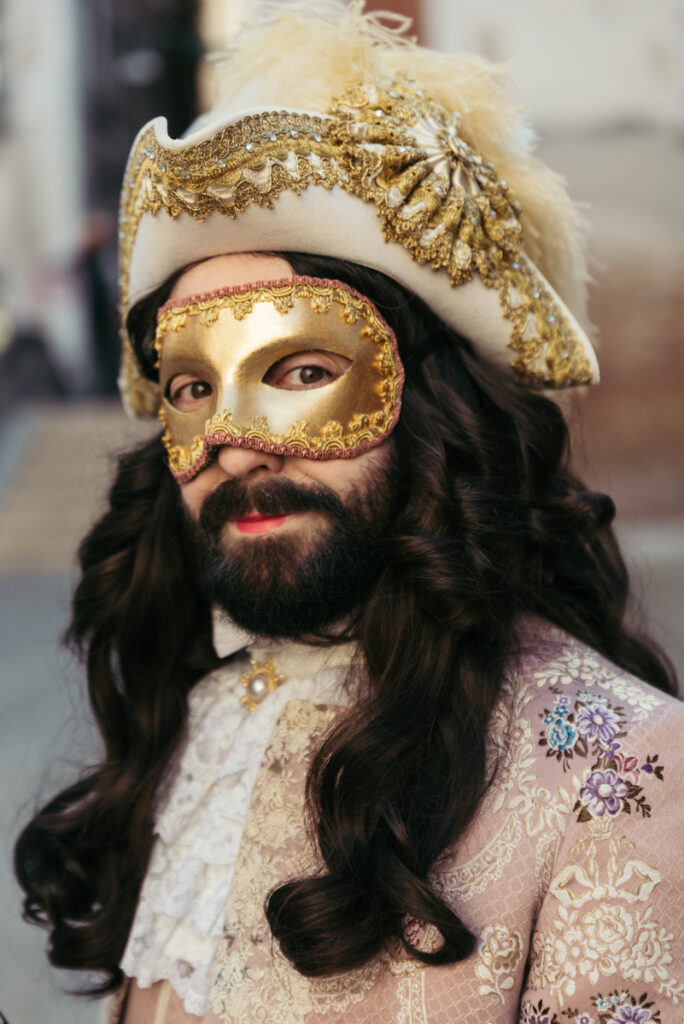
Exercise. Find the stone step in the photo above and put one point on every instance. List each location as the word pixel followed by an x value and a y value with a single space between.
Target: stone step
pixel 56 478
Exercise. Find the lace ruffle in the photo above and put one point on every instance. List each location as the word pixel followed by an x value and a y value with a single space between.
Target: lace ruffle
pixel 201 812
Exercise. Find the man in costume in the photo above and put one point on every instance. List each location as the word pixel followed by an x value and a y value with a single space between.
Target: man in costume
pixel 376 744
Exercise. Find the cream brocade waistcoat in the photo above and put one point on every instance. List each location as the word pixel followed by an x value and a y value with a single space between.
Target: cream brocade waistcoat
pixel 571 875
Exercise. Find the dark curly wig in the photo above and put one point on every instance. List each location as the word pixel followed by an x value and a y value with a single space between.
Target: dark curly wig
pixel 491 525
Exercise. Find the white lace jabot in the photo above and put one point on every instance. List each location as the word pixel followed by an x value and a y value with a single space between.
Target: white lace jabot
pixel 203 805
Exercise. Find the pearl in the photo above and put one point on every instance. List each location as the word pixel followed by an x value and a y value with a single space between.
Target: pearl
pixel 273 136
pixel 258 687
pixel 551 319
pixel 294 133
pixel 249 146
pixel 604 790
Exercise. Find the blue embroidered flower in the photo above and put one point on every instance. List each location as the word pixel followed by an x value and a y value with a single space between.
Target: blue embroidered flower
pixel 591 698
pixel 561 706
pixel 603 793
pixel 597 723
pixel 561 735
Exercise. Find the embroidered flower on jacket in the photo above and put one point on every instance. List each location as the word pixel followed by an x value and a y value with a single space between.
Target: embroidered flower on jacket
pixel 500 951
pixel 621 1007
pixel 607 1003
pixel 561 734
pixel 647 956
pixel 597 722
pixel 537 1013
pixel 608 930
pixel 603 793
pixel 635 1014
pixel 572 730
pixel 561 705
pixel 591 698
pixel 610 788
pixel 500 948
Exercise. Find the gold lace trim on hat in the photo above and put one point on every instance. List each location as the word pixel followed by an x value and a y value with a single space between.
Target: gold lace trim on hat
pixel 393 147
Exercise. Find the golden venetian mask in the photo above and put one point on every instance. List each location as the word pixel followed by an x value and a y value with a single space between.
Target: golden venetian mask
pixel 301 366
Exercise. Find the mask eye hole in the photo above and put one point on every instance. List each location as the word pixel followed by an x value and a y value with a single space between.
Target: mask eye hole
pixel 304 371
pixel 187 393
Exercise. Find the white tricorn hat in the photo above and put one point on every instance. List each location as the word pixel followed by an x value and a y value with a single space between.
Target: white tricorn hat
pixel 338 136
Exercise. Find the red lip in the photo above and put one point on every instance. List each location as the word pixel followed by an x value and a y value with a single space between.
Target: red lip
pixel 259 524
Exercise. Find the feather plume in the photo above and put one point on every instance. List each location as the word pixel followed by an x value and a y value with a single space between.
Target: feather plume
pixel 303 55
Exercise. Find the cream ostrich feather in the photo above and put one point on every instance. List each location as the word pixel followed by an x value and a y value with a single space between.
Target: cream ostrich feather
pixel 303 55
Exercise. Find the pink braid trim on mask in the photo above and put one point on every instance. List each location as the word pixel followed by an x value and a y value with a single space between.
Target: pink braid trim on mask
pixel 282 282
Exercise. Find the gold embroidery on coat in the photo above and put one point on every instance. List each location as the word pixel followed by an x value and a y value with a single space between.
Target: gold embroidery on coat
pixel 253 981
pixel 499 951
pixel 606 940
pixel 599 929
pixel 619 875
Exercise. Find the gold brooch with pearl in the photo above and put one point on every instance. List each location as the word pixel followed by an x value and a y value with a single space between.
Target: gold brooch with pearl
pixel 262 680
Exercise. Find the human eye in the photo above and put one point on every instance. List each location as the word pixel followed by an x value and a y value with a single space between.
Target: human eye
pixel 304 371
pixel 187 393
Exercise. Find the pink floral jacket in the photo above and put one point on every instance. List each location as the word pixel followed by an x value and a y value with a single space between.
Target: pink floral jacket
pixel 572 874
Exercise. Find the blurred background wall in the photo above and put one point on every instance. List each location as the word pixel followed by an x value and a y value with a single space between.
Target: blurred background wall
pixel 603 82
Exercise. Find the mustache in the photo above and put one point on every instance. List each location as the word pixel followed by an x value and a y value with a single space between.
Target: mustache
pixel 235 498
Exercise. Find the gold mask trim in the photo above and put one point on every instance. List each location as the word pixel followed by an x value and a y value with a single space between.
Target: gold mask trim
pixel 352 414
pixel 394 147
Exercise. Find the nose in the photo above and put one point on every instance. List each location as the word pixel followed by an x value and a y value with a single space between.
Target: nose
pixel 239 463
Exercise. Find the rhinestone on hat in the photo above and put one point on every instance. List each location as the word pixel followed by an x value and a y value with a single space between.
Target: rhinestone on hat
pixel 262 680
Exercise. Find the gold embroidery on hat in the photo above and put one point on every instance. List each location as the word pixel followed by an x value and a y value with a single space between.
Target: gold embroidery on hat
pixel 434 193
pixel 394 147
pixel 448 207
pixel 251 161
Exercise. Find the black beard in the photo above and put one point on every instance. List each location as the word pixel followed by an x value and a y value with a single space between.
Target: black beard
pixel 293 586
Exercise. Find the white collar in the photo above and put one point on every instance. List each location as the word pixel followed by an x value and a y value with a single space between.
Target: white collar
pixel 228 638
pixel 291 656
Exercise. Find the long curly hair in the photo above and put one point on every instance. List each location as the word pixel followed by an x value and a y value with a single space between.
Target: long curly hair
pixel 492 524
